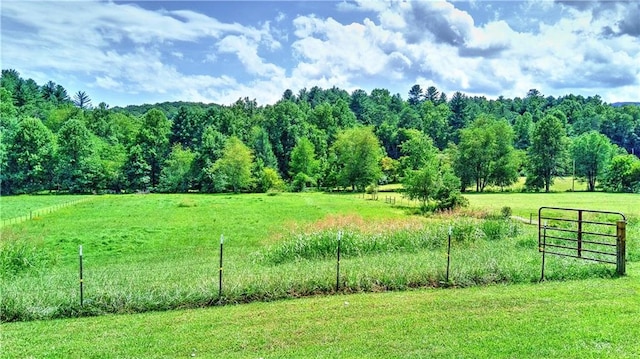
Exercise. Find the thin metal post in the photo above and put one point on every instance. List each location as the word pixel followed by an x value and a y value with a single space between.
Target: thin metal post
pixel 81 280
pixel 543 249
pixel 580 233
pixel 621 251
pixel 448 254
pixel 220 272
pixel 338 262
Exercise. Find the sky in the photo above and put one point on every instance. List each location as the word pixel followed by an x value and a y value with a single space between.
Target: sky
pixel 136 52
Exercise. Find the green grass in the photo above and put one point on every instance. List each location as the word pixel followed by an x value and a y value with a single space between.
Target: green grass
pixel 524 204
pixel 592 318
pixel 150 253
pixel 15 209
pixel 158 252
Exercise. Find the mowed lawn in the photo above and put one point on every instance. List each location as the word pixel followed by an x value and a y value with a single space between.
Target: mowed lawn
pixel 594 318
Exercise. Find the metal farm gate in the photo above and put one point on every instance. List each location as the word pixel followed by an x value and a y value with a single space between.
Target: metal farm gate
pixel 598 236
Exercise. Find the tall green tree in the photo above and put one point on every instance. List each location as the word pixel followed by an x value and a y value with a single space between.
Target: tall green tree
pixel 234 167
pixel 78 170
pixel 432 94
pixel 486 154
pixel 419 166
pixel 547 152
pixel 506 161
pixel 186 128
pixel 153 139
pixel 591 153
pixel 622 174
pixel 434 122
pixel 415 95
pixel 137 170
pixel 522 127
pixel 30 151
pixel 211 149
pixel 427 175
pixel 459 117
pixel 262 148
pixel 417 150
pixel 303 166
pixel 82 100
pixel 175 175
pixel 477 150
pixel 285 122
pixel 357 158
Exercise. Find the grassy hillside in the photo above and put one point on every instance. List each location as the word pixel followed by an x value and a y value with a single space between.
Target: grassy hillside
pixel 593 318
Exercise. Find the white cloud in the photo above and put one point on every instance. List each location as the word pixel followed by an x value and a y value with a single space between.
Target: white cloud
pixel 247 52
pixel 124 48
pixel 107 82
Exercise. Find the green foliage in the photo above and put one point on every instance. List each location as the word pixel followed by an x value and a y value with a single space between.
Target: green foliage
pixel 591 153
pixel 303 166
pixel 175 176
pixel 358 155
pixel 79 170
pixel 484 153
pixel 270 181
pixel 523 128
pixel 234 167
pixel 29 154
pixel 547 152
pixel 623 174
pixel 506 212
pixel 427 177
pixel 153 140
pixel 137 170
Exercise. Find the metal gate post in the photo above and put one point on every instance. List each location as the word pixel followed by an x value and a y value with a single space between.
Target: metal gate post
pixel 580 233
pixel 621 250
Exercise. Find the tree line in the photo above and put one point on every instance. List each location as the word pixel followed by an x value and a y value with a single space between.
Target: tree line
pixel 437 146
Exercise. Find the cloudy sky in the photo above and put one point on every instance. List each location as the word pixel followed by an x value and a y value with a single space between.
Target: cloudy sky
pixel 134 52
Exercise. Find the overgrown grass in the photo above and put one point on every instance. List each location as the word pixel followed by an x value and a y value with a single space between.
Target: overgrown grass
pixel 157 252
pixel 359 239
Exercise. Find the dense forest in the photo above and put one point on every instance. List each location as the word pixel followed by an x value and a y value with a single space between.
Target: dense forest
pixel 436 144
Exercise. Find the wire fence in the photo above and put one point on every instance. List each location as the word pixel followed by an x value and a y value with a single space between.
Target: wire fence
pixel 40 212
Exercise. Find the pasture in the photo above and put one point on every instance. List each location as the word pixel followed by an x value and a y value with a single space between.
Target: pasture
pixel 158 252
pixel 146 253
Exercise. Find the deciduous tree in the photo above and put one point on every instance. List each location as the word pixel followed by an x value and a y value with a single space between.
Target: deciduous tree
pixel 357 158
pixel 235 165
pixel 547 151
pixel 591 152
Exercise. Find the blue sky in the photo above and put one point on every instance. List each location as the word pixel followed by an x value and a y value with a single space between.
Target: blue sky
pixel 135 52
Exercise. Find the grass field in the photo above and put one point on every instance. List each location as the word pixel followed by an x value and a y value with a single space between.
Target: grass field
pixel 592 318
pixel 156 252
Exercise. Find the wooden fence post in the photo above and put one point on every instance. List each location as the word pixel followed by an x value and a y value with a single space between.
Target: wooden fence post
pixel 621 250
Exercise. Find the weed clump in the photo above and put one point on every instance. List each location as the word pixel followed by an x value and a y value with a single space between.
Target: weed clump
pixel 18 256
